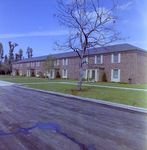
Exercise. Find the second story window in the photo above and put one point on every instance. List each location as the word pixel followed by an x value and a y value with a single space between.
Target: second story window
pixel 17 65
pixel 56 62
pixel 20 65
pixel 99 59
pixel 14 66
pixel 85 60
pixel 37 64
pixel 28 64
pixel 32 64
pixel 65 61
pixel 115 58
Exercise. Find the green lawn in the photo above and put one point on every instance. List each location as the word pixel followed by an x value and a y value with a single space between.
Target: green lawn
pixel 127 97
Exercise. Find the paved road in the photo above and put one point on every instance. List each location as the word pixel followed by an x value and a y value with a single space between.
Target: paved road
pixel 40 121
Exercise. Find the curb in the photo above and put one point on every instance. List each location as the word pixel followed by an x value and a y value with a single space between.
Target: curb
pixel 108 104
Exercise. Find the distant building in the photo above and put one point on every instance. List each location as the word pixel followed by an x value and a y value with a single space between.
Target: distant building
pixel 121 63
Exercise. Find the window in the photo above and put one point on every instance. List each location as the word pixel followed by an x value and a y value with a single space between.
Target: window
pixel 17 65
pixel 115 58
pixel 14 66
pixel 37 63
pixel 84 74
pixel 28 64
pixel 85 59
pixel 64 73
pixel 115 75
pixel 99 59
pixel 37 72
pixel 32 64
pixel 20 73
pixel 57 62
pixel 65 61
pixel 20 65
pixel 28 72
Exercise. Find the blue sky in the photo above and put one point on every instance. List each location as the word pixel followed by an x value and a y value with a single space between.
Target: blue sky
pixel 31 23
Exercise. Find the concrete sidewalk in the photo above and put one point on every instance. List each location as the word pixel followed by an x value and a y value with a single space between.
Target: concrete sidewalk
pixel 3 83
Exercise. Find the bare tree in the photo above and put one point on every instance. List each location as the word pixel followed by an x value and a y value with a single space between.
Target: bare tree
pixel 89 25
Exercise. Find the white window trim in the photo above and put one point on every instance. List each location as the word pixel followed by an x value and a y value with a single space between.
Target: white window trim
pixel 86 73
pixel 112 58
pixel 28 73
pixel 63 73
pixel 66 61
pixel 28 64
pixel 114 79
pixel 20 72
pixel 37 73
pixel 37 63
pixel 96 59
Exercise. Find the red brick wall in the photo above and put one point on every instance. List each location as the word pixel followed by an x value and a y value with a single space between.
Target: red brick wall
pixel 132 65
pixel 141 68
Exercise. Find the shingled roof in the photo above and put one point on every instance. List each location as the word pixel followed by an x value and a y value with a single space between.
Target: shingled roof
pixel 94 51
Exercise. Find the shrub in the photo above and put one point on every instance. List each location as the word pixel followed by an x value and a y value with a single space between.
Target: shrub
pixel 24 75
pixel 47 77
pixel 104 78
pixel 90 79
pixel 58 75
pixel 83 79
pixel 43 76
pixel 130 80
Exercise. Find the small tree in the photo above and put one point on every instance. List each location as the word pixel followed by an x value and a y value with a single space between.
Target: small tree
pixel 49 63
pixel 58 75
pixel 90 24
pixel 104 77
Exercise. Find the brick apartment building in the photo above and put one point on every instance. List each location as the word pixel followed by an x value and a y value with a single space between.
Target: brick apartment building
pixel 120 63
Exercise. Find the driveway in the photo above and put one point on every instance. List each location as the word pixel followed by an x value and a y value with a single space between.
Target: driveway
pixel 40 121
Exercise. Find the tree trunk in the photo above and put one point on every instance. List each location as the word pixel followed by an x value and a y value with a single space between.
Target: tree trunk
pixel 80 76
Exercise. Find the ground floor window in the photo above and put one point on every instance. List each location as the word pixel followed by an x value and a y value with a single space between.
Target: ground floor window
pixel 20 72
pixel 28 72
pixel 115 75
pixel 64 74
pixel 84 73
pixel 13 72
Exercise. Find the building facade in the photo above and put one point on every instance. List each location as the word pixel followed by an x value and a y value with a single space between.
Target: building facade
pixel 121 63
